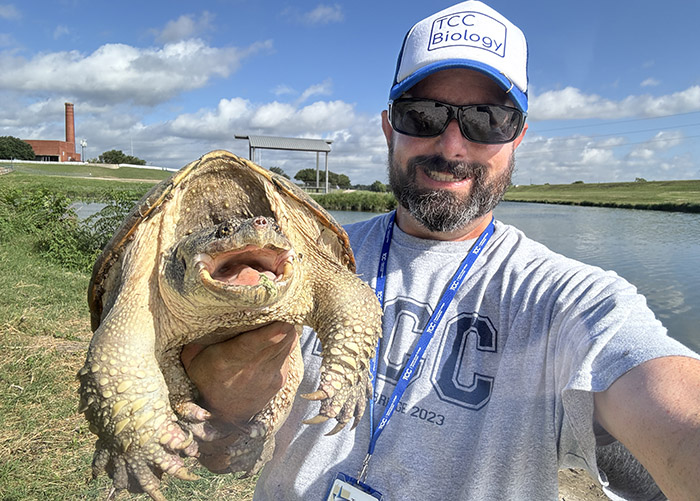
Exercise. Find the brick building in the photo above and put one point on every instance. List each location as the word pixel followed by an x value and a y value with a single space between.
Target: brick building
pixel 58 151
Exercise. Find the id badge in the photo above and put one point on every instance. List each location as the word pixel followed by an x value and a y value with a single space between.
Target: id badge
pixel 346 488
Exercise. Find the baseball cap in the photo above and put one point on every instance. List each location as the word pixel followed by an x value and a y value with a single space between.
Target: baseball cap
pixel 467 35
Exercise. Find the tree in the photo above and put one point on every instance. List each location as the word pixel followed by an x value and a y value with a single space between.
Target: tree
pixel 378 186
pixel 14 148
pixel 339 180
pixel 278 170
pixel 308 177
pixel 119 157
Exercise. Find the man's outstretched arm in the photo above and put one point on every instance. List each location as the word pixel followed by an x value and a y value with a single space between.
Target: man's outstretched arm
pixel 654 410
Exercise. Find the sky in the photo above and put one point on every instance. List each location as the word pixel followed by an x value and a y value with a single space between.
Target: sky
pixel 614 85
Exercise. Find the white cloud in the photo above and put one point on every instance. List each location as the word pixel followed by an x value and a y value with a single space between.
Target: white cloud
pixel 282 90
pixel 650 82
pixel 641 154
pixel 592 156
pixel 568 103
pixel 323 115
pixel 324 88
pixel 664 140
pixel 321 14
pixel 60 31
pixel 6 40
pixel 214 125
pixel 240 116
pixel 185 27
pixel 564 159
pixel 571 103
pixel 9 12
pixel 121 73
pixel 272 115
pixel 324 14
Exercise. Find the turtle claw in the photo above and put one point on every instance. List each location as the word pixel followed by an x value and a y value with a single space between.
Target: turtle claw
pixel 317 395
pixel 185 474
pixel 317 419
pixel 339 426
pixel 355 423
pixel 340 400
pixel 156 495
pixel 189 411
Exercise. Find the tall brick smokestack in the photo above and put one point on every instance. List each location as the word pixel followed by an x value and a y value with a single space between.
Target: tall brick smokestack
pixel 70 125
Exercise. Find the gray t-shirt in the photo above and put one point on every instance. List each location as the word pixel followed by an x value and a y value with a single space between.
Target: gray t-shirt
pixel 502 397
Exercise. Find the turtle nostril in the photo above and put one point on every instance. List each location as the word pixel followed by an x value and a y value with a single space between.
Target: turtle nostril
pixel 260 222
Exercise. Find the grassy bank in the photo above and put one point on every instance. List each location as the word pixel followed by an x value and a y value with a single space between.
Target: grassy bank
pixel 89 170
pixel 76 188
pixel 681 196
pixel 45 446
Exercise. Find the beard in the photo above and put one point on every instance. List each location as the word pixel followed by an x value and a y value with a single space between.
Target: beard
pixel 444 210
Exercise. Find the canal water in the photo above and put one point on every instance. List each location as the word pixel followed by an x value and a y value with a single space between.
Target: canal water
pixel 658 252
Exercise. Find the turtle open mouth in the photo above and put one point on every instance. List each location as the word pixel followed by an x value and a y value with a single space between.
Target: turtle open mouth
pixel 248 267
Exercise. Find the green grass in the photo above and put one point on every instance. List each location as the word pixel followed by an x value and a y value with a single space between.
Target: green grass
pixel 77 188
pixel 367 201
pixel 89 170
pixel 682 196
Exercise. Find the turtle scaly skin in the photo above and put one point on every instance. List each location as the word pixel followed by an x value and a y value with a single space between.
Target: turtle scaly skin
pixel 222 247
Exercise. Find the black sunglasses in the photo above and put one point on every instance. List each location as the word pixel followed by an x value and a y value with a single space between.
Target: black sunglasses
pixel 480 123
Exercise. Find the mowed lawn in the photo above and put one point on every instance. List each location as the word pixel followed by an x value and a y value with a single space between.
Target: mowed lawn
pixel 682 196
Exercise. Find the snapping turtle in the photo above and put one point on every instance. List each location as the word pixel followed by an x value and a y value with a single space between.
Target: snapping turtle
pixel 222 247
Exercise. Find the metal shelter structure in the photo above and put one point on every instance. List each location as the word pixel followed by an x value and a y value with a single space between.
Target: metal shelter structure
pixel 290 144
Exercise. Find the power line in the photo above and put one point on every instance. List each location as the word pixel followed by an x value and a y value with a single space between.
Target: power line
pixel 615 122
pixel 609 146
pixel 594 136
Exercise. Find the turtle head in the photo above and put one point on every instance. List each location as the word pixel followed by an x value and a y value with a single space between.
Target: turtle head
pixel 246 263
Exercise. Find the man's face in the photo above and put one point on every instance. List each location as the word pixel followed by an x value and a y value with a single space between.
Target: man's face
pixel 446 182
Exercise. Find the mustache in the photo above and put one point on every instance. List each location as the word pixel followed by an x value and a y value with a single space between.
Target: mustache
pixel 438 163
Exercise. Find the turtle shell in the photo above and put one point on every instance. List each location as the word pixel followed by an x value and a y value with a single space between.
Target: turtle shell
pixel 207 191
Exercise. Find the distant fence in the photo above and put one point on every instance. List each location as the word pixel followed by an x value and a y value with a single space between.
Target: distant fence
pixel 107 166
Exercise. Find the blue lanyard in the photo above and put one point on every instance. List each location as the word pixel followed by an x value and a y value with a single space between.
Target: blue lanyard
pixel 425 337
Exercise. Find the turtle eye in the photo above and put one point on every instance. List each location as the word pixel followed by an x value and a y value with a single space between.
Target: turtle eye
pixel 224 230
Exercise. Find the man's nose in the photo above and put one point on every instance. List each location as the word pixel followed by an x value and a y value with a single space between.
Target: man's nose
pixel 453 145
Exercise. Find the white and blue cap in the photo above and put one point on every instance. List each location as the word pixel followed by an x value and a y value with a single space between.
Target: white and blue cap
pixel 468 35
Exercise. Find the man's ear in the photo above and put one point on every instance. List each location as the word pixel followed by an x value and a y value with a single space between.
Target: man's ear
pixel 517 140
pixel 386 127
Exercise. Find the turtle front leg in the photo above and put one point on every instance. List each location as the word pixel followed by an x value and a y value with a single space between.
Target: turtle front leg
pixel 349 329
pixel 124 397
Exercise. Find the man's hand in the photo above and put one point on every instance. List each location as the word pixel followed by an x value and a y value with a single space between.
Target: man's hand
pixel 238 377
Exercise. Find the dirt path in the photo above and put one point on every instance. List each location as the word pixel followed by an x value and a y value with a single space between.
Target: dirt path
pixel 577 485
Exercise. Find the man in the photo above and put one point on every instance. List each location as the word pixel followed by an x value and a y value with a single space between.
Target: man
pixel 536 359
